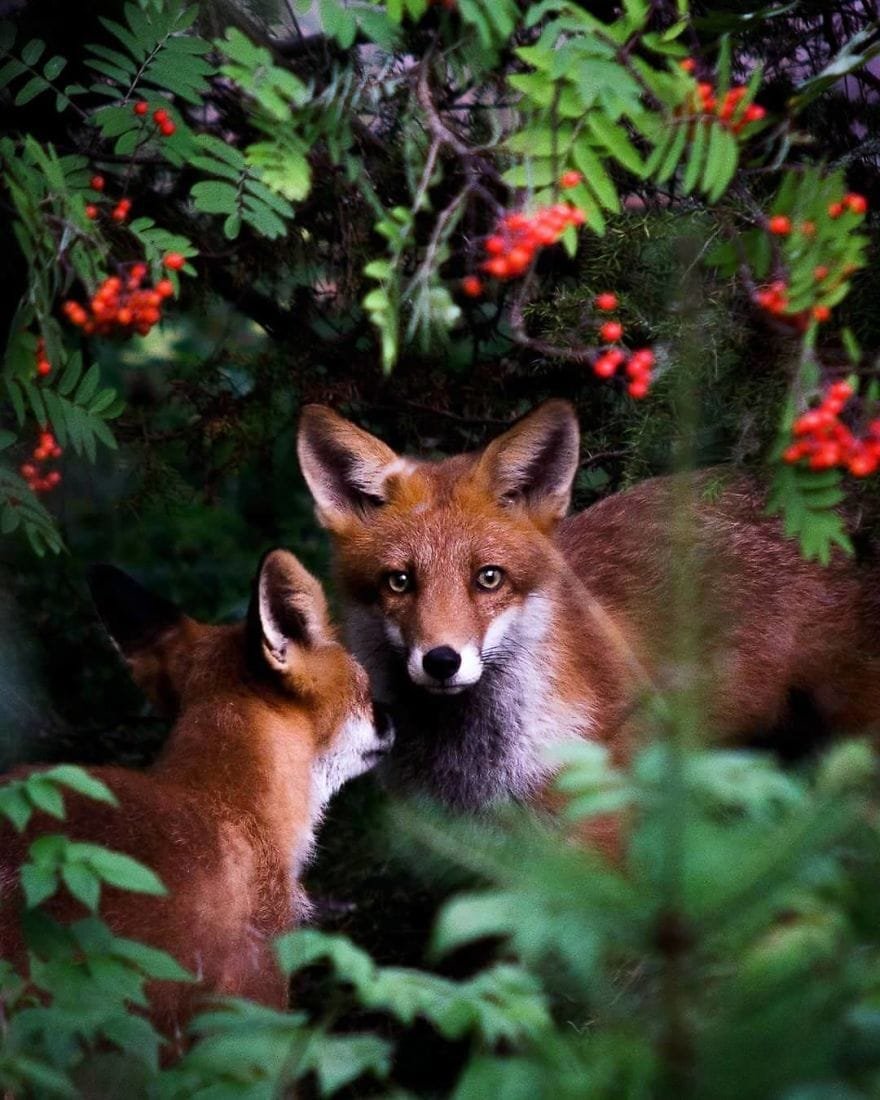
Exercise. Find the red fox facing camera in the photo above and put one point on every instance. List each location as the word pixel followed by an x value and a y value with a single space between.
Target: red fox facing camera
pixel 495 626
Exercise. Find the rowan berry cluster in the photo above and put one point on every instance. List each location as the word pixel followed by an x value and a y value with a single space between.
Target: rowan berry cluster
pixel 518 237
pixel 41 481
pixel 774 297
pixel 729 108
pixel 637 365
pixel 163 121
pixel 43 366
pixel 120 211
pixel 123 305
pixel 827 443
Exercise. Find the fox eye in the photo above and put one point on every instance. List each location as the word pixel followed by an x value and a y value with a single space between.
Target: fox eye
pixel 399 581
pixel 490 577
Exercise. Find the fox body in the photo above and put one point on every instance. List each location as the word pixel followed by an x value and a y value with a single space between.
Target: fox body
pixel 496 627
pixel 272 716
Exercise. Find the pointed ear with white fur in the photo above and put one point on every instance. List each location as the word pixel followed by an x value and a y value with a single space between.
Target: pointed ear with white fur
pixel 534 463
pixel 288 612
pixel 345 467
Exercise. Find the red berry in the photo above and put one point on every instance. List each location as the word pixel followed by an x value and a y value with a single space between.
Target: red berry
pixel 518 259
pixel 91 210
pixel 606 301
pixel 174 261
pixel 754 113
pixel 835 209
pixel 858 204
pixel 821 313
pixel 44 367
pixel 608 362
pixel 687 65
pixel 52 479
pixel 165 288
pixel 167 128
pixel 638 388
pixel 97 183
pixel 570 179
pixel 820 272
pixel 141 107
pixel 497 266
pixel 160 115
pixel 495 245
pixel 471 285
pixel 28 470
pixel 611 331
pixel 779 224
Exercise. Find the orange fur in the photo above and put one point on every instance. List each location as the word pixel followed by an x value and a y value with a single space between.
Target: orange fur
pixel 225 815
pixel 608 596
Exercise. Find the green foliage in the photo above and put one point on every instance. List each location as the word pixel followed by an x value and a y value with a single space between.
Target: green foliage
pixel 20 798
pixel 423 135
pixel 501 1003
pixel 153 55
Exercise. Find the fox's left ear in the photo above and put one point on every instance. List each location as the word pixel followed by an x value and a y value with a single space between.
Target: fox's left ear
pixel 151 633
pixel 535 462
pixel 288 613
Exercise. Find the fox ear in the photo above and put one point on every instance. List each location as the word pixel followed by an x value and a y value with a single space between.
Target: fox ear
pixel 345 467
pixel 288 612
pixel 148 630
pixel 535 462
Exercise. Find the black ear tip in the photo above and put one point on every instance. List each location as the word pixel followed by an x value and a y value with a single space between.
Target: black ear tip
pixel 100 576
pixel 133 615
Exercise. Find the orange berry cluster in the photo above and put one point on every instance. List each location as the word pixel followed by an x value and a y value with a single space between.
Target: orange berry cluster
pixel 42 481
pixel 774 299
pixel 122 306
pixel 729 108
pixel 517 237
pixel 160 116
pixel 638 364
pixel 827 443
pixel 43 366
pixel 120 211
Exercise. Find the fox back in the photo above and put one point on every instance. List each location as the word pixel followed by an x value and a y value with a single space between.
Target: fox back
pixel 496 627
pixel 272 716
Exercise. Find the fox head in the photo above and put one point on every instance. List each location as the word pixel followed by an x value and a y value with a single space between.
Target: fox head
pixel 442 562
pixel 284 660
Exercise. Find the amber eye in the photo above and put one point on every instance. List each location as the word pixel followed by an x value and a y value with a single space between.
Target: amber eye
pixel 399 581
pixel 490 577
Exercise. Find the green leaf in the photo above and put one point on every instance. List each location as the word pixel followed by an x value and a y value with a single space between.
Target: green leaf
pixel 83 884
pixel 44 795
pixel 79 780
pixel 118 869
pixel 38 884
pixel 215 197
pixel 721 161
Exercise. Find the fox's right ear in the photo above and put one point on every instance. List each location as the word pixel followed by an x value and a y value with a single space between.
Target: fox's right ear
pixel 345 467
pixel 146 628
pixel 288 615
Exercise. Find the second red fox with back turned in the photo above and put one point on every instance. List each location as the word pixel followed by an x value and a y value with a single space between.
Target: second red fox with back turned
pixel 496 627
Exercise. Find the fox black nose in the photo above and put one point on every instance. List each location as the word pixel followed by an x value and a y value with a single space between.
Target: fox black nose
pixel 442 662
